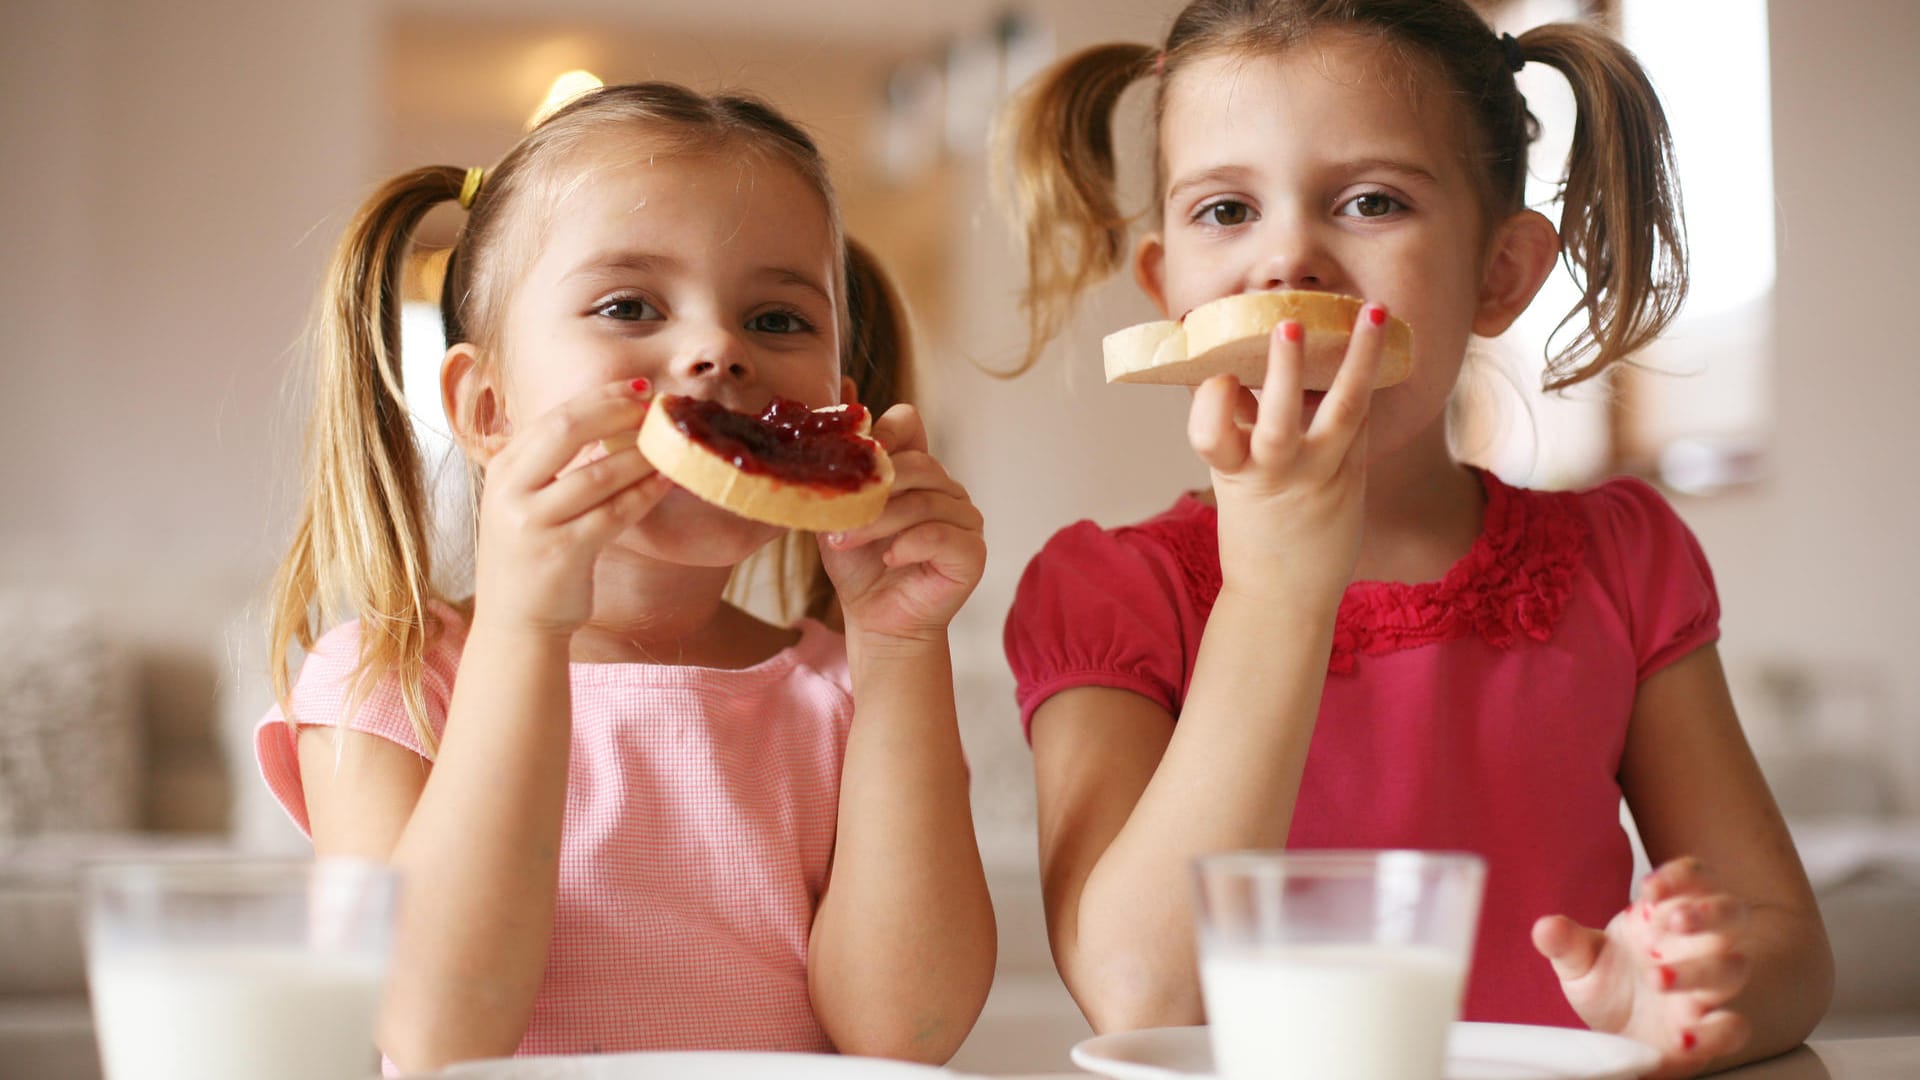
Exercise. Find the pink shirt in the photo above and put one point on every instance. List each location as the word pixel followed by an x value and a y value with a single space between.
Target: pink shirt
pixel 1484 712
pixel 701 808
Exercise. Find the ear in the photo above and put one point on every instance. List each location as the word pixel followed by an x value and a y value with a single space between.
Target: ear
pixel 476 407
pixel 1149 268
pixel 1519 259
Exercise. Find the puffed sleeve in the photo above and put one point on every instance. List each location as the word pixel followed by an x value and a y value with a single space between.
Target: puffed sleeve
pixel 323 693
pixel 1659 573
pixel 1096 608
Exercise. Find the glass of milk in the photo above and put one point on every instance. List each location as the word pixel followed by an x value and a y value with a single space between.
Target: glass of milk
pixel 1336 965
pixel 239 969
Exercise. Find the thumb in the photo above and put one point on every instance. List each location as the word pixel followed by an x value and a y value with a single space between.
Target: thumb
pixel 1572 948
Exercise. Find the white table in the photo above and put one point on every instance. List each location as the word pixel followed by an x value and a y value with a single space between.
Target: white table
pixel 1823 1059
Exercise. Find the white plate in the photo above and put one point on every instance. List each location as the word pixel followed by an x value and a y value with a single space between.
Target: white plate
pixel 679 1065
pixel 1474 1052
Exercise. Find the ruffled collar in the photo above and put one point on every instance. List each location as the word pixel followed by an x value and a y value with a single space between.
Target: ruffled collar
pixel 1512 585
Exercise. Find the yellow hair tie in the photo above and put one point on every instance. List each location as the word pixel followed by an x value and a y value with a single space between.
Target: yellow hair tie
pixel 470 188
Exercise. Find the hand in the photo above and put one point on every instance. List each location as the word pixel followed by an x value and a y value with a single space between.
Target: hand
pixel 553 499
pixel 905 574
pixel 1663 970
pixel 1290 500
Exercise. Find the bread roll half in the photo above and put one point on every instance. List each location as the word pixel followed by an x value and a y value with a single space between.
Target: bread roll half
pixel 1229 336
pixel 752 491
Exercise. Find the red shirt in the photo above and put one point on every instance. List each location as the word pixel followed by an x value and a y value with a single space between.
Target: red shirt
pixel 1483 712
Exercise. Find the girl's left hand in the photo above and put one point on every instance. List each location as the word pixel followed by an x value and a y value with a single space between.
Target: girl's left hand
pixel 905 574
pixel 1664 969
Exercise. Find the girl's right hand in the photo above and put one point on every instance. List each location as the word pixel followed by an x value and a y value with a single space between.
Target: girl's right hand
pixel 543 523
pixel 1290 494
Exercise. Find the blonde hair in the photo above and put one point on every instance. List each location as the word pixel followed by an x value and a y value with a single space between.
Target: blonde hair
pixel 360 547
pixel 1623 236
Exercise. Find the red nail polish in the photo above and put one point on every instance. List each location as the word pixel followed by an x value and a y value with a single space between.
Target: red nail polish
pixel 1688 1040
pixel 1293 331
pixel 640 386
pixel 1666 977
pixel 1377 315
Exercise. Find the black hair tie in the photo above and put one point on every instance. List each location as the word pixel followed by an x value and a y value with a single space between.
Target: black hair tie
pixel 1510 47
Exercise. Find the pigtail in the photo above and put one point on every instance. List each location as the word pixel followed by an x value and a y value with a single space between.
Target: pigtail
pixel 1622 231
pixel 1056 145
pixel 362 537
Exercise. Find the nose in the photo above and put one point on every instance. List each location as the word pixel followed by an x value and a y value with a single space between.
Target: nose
pixel 711 353
pixel 1293 261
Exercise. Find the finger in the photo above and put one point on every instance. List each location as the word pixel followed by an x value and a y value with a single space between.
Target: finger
pixel 1349 398
pixel 1676 877
pixel 950 551
pixel 1276 430
pixel 1570 947
pixel 1714 978
pixel 538 454
pixel 900 430
pixel 1211 428
pixel 608 519
pixel 1691 914
pixel 1714 1035
pixel 904 510
pixel 575 492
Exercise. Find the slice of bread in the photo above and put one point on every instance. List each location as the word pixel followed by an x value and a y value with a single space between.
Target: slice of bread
pixel 1229 336
pixel 758 495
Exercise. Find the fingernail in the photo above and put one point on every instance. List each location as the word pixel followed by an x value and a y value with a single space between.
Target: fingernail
pixel 1293 331
pixel 1377 315
pixel 1688 1040
pixel 1666 977
pixel 836 539
pixel 640 386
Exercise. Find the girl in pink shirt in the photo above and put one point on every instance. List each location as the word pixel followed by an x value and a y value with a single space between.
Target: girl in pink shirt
pixel 1354 640
pixel 629 814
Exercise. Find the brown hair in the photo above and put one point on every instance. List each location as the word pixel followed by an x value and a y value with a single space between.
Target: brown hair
pixel 1621 226
pixel 361 543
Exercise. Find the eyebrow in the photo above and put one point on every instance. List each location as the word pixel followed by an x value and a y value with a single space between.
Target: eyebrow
pixel 781 275
pixel 645 263
pixel 636 261
pixel 1238 173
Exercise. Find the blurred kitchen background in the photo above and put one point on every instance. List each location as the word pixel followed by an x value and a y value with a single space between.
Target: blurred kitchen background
pixel 172 177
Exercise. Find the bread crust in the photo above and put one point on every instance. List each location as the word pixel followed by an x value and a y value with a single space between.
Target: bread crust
pixel 757 496
pixel 1229 336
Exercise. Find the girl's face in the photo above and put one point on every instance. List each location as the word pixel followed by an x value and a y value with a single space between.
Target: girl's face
pixel 712 276
pixel 1325 167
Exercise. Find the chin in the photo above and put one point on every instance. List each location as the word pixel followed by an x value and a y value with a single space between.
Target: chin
pixel 687 531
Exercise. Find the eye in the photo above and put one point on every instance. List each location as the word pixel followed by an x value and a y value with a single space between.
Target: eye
pixel 628 309
pixel 1226 213
pixel 1373 204
pixel 779 322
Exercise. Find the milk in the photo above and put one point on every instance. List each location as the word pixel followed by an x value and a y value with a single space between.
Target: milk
pixel 1330 1012
pixel 241 1013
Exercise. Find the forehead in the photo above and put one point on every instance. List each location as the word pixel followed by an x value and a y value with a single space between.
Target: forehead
pixel 1336 94
pixel 724 204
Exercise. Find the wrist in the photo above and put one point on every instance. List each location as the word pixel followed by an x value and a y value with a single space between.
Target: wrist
pixel 516 637
pixel 870 647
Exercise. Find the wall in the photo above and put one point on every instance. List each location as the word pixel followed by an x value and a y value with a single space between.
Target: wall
pixel 172 178
pixel 1816 564
pixel 187 175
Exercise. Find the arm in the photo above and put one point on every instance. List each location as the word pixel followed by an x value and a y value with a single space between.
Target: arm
pixel 477 837
pixel 901 955
pixel 1127 800
pixel 1725 960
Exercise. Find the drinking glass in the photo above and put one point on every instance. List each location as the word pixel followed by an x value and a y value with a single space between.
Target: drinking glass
pixel 238 969
pixel 1336 965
